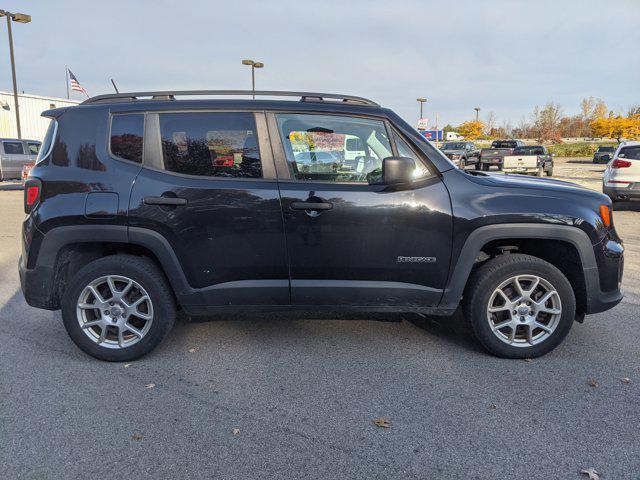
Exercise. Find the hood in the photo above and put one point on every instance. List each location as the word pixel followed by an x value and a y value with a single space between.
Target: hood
pixel 535 183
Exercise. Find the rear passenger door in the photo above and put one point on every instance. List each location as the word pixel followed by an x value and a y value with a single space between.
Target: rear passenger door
pixel 208 190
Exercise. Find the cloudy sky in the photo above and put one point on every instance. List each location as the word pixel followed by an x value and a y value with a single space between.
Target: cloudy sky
pixel 504 56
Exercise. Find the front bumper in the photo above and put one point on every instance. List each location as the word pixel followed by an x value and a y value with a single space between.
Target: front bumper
pixel 603 280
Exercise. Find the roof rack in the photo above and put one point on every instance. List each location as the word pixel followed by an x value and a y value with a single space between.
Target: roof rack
pixel 170 95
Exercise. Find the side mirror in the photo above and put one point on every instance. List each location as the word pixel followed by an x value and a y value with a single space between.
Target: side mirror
pixel 606 157
pixel 397 170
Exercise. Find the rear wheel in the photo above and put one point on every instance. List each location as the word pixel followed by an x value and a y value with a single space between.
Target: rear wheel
pixel 118 308
pixel 519 306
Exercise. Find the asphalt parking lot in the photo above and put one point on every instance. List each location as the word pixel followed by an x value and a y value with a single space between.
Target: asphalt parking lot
pixel 290 396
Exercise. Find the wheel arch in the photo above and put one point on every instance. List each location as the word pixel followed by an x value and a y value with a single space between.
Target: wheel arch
pixel 570 247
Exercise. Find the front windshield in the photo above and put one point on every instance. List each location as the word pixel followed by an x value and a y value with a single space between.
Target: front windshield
pixel 453 146
pixel 606 149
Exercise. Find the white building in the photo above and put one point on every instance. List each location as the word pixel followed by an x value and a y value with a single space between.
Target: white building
pixel 33 126
pixel 454 136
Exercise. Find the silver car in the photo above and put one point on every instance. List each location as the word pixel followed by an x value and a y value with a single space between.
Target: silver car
pixel 14 154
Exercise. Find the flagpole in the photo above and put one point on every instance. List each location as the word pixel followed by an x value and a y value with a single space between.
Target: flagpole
pixel 66 79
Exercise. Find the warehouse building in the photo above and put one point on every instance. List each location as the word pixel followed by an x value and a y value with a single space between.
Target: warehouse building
pixel 33 126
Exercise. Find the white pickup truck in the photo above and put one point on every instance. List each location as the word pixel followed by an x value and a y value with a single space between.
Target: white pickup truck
pixel 529 160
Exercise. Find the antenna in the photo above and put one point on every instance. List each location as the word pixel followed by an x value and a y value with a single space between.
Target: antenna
pixel 114 86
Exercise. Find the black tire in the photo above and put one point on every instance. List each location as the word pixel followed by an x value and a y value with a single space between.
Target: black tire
pixel 489 276
pixel 145 273
pixel 550 172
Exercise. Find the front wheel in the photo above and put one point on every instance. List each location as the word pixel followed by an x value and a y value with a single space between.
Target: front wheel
pixel 118 308
pixel 519 306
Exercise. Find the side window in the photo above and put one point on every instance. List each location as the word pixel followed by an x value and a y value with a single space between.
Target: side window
pixel 331 148
pixel 210 144
pixel 404 150
pixel 34 148
pixel 13 148
pixel 126 136
pixel 47 143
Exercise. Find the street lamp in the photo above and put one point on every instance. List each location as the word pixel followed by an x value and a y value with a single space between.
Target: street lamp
pixel 477 109
pixel 20 18
pixel 254 65
pixel 421 100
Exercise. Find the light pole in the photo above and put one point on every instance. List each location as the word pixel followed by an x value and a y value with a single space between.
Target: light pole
pixel 477 109
pixel 254 65
pixel 20 18
pixel 421 100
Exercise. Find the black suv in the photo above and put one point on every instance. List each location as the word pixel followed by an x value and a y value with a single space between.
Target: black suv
pixel 141 204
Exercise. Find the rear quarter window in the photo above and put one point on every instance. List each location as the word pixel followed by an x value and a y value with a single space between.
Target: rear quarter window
pixel 127 132
pixel 632 153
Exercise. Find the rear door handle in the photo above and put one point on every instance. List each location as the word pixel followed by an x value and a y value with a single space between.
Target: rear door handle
pixel 311 206
pixel 164 201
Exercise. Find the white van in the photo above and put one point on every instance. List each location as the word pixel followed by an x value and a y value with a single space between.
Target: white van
pixel 353 147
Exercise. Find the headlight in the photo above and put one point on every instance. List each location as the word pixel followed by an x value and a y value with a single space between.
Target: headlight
pixel 455 156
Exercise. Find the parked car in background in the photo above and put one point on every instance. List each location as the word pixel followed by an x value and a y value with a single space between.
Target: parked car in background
pixel 219 213
pixel 461 153
pixel 493 156
pixel 534 159
pixel 603 154
pixel 621 180
pixel 14 154
pixel 25 170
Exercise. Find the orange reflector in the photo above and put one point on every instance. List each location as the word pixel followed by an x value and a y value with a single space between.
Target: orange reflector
pixel 605 214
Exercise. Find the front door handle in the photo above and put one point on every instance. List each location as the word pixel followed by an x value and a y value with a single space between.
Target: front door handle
pixel 170 201
pixel 311 206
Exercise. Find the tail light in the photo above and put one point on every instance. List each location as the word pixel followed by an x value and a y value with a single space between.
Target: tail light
pixel 32 193
pixel 605 214
pixel 617 163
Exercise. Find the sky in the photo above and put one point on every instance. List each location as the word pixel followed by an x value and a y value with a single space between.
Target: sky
pixel 504 56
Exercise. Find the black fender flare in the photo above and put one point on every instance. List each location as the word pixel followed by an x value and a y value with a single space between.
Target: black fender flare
pixel 461 270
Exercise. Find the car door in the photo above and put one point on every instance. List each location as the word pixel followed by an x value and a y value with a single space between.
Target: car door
pixel 13 158
pixel 208 188
pixel 352 242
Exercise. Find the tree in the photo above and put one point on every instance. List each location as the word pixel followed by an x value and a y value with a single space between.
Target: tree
pixel 617 127
pixel 471 130
pixel 546 122
pixel 490 124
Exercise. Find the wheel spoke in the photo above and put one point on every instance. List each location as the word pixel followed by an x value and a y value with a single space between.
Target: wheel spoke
pixel 512 335
pixel 501 325
pixel 126 289
pixel 501 308
pixel 96 294
pixel 112 286
pixel 533 287
pixel 94 323
pixel 507 300
pixel 552 311
pixel 88 306
pixel 530 334
pixel 516 282
pixel 120 337
pixel 103 334
pixel 134 330
pixel 542 326
pixel 545 297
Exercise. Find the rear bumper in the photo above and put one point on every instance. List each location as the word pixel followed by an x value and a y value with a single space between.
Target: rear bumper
pixel 524 170
pixel 623 193
pixel 37 286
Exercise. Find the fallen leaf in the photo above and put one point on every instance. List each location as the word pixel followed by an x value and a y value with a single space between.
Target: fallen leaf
pixel 193 350
pixel 625 380
pixel 150 385
pixel 236 432
pixel 492 407
pixel 382 423
pixel 593 383
pixel 127 365
pixel 593 475
pixel 137 437
pixel 528 360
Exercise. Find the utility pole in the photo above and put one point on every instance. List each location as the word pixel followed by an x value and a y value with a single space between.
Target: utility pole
pixel 20 18
pixel 253 65
pixel 477 109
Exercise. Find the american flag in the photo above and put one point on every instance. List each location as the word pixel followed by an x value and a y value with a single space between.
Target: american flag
pixel 75 85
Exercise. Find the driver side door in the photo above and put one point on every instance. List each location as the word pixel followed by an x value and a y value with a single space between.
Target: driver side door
pixel 352 242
